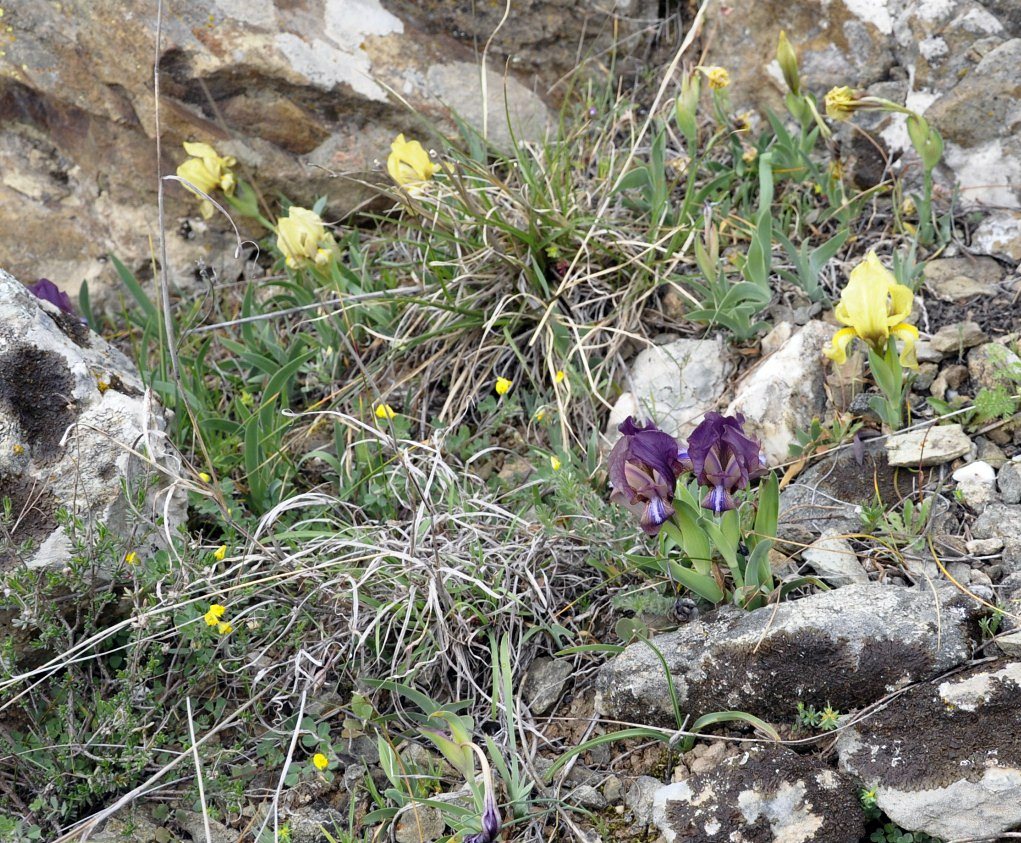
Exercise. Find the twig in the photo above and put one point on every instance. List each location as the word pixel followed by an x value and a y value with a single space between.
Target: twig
pixel 198 772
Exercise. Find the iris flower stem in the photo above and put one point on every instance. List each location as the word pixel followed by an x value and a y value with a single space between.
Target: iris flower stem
pixel 889 377
pixel 925 233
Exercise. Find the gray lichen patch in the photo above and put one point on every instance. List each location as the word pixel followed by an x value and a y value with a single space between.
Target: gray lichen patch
pixel 764 795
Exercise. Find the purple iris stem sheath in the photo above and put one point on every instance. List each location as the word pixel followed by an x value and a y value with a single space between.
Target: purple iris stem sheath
pixel 644 466
pixel 723 459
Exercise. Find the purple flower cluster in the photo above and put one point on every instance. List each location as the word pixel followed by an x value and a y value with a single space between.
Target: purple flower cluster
pixel 646 463
pixel 48 291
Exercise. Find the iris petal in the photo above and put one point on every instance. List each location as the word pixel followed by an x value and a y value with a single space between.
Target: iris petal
pixel 908 334
pixel 837 352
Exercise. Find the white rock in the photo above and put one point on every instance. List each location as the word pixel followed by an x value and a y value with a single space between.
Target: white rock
pixel 984 547
pixel 786 390
pixel 833 559
pixel 675 385
pixel 64 441
pixel 928 446
pixel 975 472
pixel 999 233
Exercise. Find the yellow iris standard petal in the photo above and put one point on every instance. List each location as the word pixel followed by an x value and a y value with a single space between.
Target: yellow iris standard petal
pixel 409 164
pixel 866 303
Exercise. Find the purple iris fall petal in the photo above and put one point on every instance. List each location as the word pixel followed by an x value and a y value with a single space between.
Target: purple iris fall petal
pixel 490 822
pixel 644 466
pixel 723 458
pixel 48 291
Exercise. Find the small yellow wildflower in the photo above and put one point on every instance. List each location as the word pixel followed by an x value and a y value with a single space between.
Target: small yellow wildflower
pixel 559 376
pixel 224 628
pixel 205 478
pixel 131 558
pixel 555 462
pixel 220 553
pixel 503 386
pixel 409 164
pixel 302 239
pixel 320 761
pixel 212 617
pixel 102 386
pixel 749 155
pixel 18 450
pixel 540 414
pixel 385 411
pixel 717 77
pixel 841 103
pixel 206 170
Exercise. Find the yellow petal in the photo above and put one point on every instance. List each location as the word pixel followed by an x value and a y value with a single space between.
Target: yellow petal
pixel 908 334
pixel 901 298
pixel 195 171
pixel 865 301
pixel 837 352
pixel 200 150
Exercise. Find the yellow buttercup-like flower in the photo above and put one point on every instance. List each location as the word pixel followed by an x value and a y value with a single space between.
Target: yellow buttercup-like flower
pixel 409 164
pixel 874 306
pixel 717 77
pixel 220 553
pixel 385 411
pixel 213 615
pixel 554 462
pixel 303 239
pixel 320 761
pixel 841 103
pixel 207 171
pixel 503 386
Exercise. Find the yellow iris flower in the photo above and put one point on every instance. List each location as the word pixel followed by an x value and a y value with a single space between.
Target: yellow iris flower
pixel 409 164
pixel 303 239
pixel 840 103
pixel 206 170
pixel 874 307
pixel 717 77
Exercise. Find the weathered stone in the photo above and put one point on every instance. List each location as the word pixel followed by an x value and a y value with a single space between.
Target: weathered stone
pixel 73 414
pixel 586 796
pixel 766 794
pixel 984 547
pixel 1008 481
pixel 954 279
pixel 975 472
pixel 766 661
pixel 957 338
pixel 419 824
pixel 639 796
pixel 1000 234
pixel 926 353
pixel 835 561
pixel 990 452
pixel 675 385
pixel 999 521
pixel 950 378
pixel 994 365
pixel 976 485
pixel 544 683
pixel 928 446
pixel 945 758
pixel 785 391
pixel 924 377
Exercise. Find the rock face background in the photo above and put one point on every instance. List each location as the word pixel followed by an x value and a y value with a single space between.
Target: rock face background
pixel 297 90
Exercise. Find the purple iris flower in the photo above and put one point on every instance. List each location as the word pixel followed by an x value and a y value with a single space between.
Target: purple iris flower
pixel 644 468
pixel 723 458
pixel 490 821
pixel 48 291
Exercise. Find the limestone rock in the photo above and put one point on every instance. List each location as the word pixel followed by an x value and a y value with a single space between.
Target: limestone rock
pixel 675 385
pixel 1000 234
pixel 1009 482
pixel 544 683
pixel 994 365
pixel 72 411
pixel 785 391
pixel 835 561
pixel 954 279
pixel 954 339
pixel 999 521
pixel 419 824
pixel 928 446
pixel 938 763
pixel 766 794
pixel 766 661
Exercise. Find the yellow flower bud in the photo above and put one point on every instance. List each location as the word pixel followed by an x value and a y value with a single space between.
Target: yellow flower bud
pixel 220 553
pixel 788 61
pixel 303 239
pixel 409 164
pixel 555 463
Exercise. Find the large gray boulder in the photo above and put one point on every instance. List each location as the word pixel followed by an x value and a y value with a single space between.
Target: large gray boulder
pixel 848 648
pixel 945 757
pixel 76 429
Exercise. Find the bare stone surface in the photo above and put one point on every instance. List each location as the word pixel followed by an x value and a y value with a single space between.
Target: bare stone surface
pixel 847 647
pixel 945 758
pixel 957 338
pixel 785 391
pixel 766 794
pixel 1008 481
pixel 928 446
pixel 72 412
pixel 835 561
pixel 1000 234
pixel 955 279
pixel 544 683
pixel 674 384
pixel 1000 521
pixel 994 365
